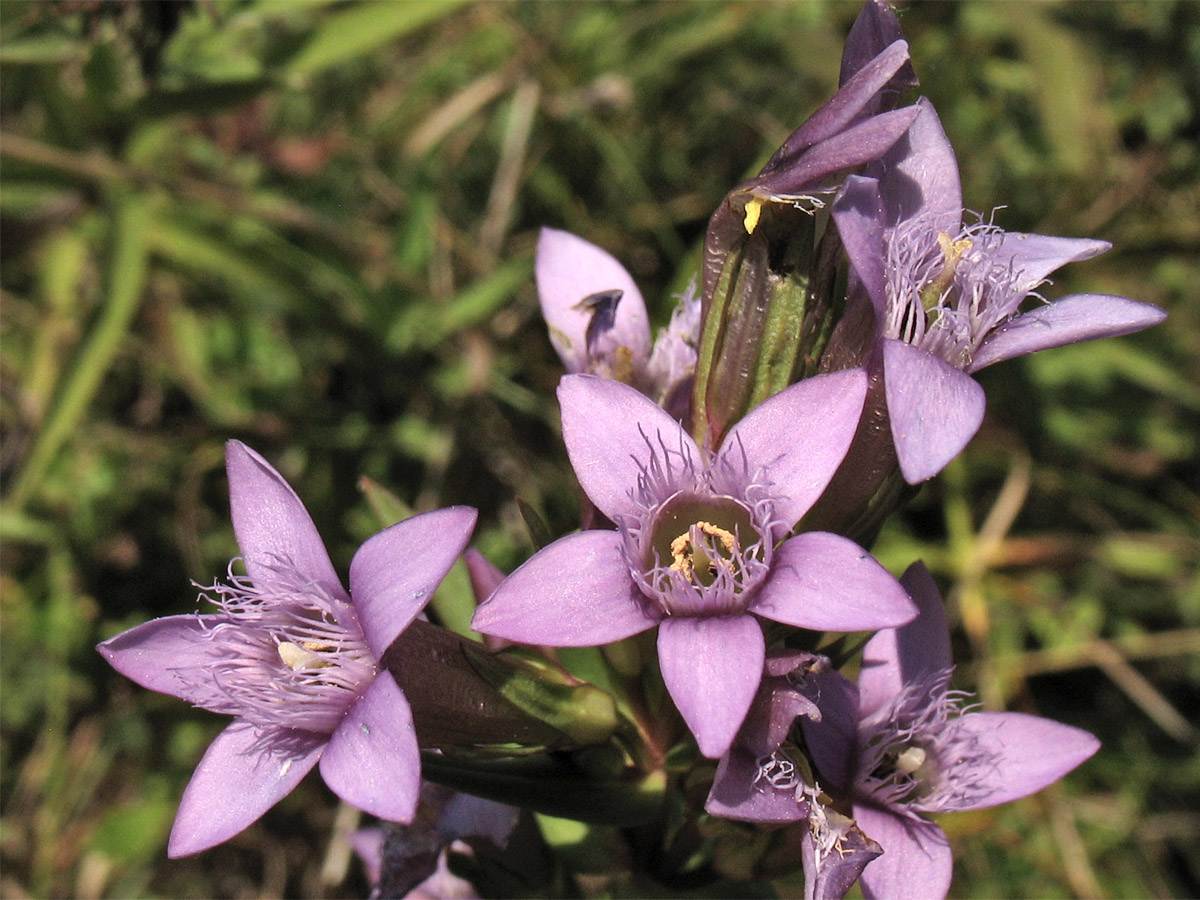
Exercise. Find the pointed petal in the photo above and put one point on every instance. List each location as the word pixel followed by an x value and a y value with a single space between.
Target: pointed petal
pixel 922 174
pixel 575 592
pixel 1035 256
pixel 875 28
pixel 569 269
pixel 825 582
pixel 1080 317
pixel 832 740
pixel 739 793
pixel 271 524
pixel 712 668
pixel 799 437
pixel 1023 754
pixel 859 215
pixel 394 574
pixel 168 655
pixel 372 761
pixel 916 863
pixel 897 656
pixel 935 409
pixel 485 575
pixel 244 772
pixel 612 432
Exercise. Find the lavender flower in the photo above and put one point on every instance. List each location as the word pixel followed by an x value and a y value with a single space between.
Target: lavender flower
pixel 902 744
pixel 295 660
pixel 948 297
pixel 598 323
pixel 697 547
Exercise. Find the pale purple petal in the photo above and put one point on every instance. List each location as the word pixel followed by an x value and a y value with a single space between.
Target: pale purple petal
pixel 1025 754
pixel 799 437
pixel 244 772
pixel 739 793
pixel 569 269
pixel 898 656
pixel 916 863
pixel 859 216
pixel 272 525
pixel 1080 317
pixel 576 592
pixel 922 174
pixel 935 409
pixel 394 574
pixel 372 761
pixel 825 582
pixel 167 655
pixel 1034 256
pixel 485 575
pixel 612 431
pixel 712 668
pixel 875 28
pixel 832 741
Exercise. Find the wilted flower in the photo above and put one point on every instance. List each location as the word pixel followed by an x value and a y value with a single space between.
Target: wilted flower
pixel 948 298
pixel 598 323
pixel 296 660
pixel 697 547
pixel 901 744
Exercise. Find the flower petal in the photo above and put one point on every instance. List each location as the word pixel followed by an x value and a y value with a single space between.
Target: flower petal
pixel 875 29
pixel 825 582
pixel 576 592
pixel 832 740
pixel 372 761
pixel 898 656
pixel 799 437
pixel 922 174
pixel 1080 317
pixel 568 269
pixel 272 525
pixel 858 213
pixel 245 771
pixel 935 409
pixel 612 433
pixel 712 668
pixel 738 792
pixel 168 655
pixel 394 574
pixel 1034 256
pixel 1025 754
pixel 916 863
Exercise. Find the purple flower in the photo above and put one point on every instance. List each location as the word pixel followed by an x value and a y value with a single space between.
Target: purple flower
pixel 902 745
pixel 698 548
pixel 598 323
pixel 295 660
pixel 948 297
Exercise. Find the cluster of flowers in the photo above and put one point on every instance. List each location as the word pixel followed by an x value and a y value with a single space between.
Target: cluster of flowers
pixel 732 468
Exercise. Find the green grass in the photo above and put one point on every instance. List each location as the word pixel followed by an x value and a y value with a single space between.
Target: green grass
pixel 310 226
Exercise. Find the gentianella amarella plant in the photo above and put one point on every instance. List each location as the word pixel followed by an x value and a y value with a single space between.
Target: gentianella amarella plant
pixel 658 670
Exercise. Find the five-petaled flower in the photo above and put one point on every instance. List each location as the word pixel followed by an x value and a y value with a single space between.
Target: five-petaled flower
pixel 900 745
pixel 948 299
pixel 699 548
pixel 296 660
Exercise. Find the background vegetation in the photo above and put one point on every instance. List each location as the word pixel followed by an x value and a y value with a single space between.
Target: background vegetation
pixel 310 226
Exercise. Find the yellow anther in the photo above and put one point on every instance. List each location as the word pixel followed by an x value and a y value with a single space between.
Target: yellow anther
pixel 685 551
pixel 910 760
pixel 753 210
pixel 294 656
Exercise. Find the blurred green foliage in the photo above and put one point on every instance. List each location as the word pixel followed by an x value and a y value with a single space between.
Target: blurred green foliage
pixel 309 226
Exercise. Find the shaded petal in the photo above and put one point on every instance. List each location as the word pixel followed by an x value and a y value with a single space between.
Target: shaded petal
pixel 799 437
pixel 1080 317
pixel 1024 754
pixel 612 431
pixel 922 174
pixel 245 771
pixel 916 863
pixel 485 575
pixel 372 761
pixel 576 592
pixel 832 740
pixel 569 269
pixel 272 525
pixel 825 582
pixel 739 793
pixel 935 409
pixel 394 574
pixel 168 655
pixel 712 668
pixel 858 213
pixel 898 656
pixel 1034 256
pixel 875 29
